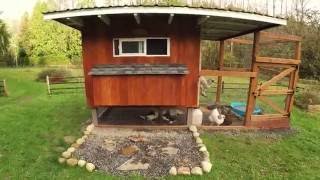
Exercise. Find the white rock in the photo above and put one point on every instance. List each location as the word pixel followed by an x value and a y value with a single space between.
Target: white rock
pixel 81 163
pixel 72 162
pixel 196 171
pixel 90 127
pixel 201 145
pixel 85 137
pixel 206 154
pixel 196 117
pixel 196 134
pixel 86 132
pixel 61 160
pixel 66 154
pixel 202 149
pixel 199 140
pixel 183 170
pixel 71 149
pixel 90 167
pixel 206 159
pixel 80 141
pixel 173 171
pixel 193 128
pixel 206 166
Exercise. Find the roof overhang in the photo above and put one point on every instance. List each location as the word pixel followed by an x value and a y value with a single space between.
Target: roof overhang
pixel 216 24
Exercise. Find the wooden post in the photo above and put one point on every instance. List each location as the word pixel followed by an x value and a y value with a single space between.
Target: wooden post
pixel 5 90
pixel 94 116
pixel 294 76
pixel 222 87
pixel 48 85
pixel 189 116
pixel 253 80
pixel 220 67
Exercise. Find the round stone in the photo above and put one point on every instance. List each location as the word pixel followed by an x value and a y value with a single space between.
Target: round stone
pixel 66 154
pixel 196 171
pixel 173 171
pixel 72 162
pixel 206 154
pixel 206 166
pixel 196 134
pixel 90 127
pixel 61 160
pixel 193 128
pixel 183 170
pixel 71 149
pixel 199 140
pixel 80 141
pixel 202 149
pixel 81 163
pixel 90 167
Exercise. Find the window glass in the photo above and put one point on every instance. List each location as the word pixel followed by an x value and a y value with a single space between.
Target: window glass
pixel 157 47
pixel 132 47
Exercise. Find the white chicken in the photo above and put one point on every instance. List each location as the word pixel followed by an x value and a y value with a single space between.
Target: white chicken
pixel 216 117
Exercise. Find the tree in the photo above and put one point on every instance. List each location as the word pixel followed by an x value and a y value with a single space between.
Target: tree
pixel 48 41
pixel 4 39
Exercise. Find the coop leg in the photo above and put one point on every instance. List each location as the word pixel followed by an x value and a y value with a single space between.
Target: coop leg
pixel 94 116
pixel 189 116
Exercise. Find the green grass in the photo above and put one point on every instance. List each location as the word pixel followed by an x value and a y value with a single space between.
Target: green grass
pixel 32 126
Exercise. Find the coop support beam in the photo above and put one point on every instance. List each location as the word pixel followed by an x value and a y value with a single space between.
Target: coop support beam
pixel 189 116
pixel 76 21
pixel 170 19
pixel 137 18
pixel 253 80
pixel 105 19
pixel 203 19
pixel 94 116
pixel 220 67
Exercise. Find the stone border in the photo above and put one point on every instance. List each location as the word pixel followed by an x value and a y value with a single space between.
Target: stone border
pixel 206 165
pixel 68 158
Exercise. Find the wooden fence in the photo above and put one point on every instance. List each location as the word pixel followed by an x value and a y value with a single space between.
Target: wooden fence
pixel 64 85
pixel 3 88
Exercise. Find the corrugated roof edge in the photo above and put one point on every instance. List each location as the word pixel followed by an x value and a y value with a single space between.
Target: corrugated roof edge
pixel 157 5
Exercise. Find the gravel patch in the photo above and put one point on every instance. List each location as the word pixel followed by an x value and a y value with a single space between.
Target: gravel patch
pixel 150 145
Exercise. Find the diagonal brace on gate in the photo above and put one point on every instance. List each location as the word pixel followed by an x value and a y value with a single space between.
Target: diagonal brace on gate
pixel 275 79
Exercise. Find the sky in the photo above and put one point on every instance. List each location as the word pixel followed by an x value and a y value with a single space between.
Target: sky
pixel 14 9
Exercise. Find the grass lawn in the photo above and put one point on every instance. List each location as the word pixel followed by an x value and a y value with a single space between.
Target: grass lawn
pixel 32 126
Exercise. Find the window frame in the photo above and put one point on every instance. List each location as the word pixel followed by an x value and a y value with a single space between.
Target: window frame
pixel 144 39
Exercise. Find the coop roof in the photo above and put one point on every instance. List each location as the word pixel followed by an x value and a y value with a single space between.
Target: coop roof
pixel 214 23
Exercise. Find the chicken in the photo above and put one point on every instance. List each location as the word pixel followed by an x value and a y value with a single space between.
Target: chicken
pixel 216 117
pixel 205 85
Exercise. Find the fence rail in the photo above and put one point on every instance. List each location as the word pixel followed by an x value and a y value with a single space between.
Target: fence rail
pixel 64 85
pixel 3 88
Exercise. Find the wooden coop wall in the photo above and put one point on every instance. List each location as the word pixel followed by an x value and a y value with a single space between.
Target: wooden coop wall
pixel 142 90
pixel 262 91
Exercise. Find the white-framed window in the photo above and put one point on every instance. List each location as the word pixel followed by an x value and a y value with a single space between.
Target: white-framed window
pixel 147 46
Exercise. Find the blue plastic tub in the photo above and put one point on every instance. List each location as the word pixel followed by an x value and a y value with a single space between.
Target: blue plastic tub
pixel 239 108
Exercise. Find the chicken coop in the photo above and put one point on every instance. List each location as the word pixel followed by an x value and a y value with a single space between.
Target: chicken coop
pixel 139 58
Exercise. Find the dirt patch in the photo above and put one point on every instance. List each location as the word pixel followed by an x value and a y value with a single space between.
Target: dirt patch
pixel 154 151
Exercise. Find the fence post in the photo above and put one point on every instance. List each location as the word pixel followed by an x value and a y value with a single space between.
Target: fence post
pixel 5 88
pixel 48 85
pixel 222 86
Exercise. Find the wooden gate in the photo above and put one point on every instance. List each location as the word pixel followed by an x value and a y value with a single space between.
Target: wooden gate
pixel 262 91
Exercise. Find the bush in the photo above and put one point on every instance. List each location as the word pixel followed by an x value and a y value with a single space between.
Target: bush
pixel 306 98
pixel 57 75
